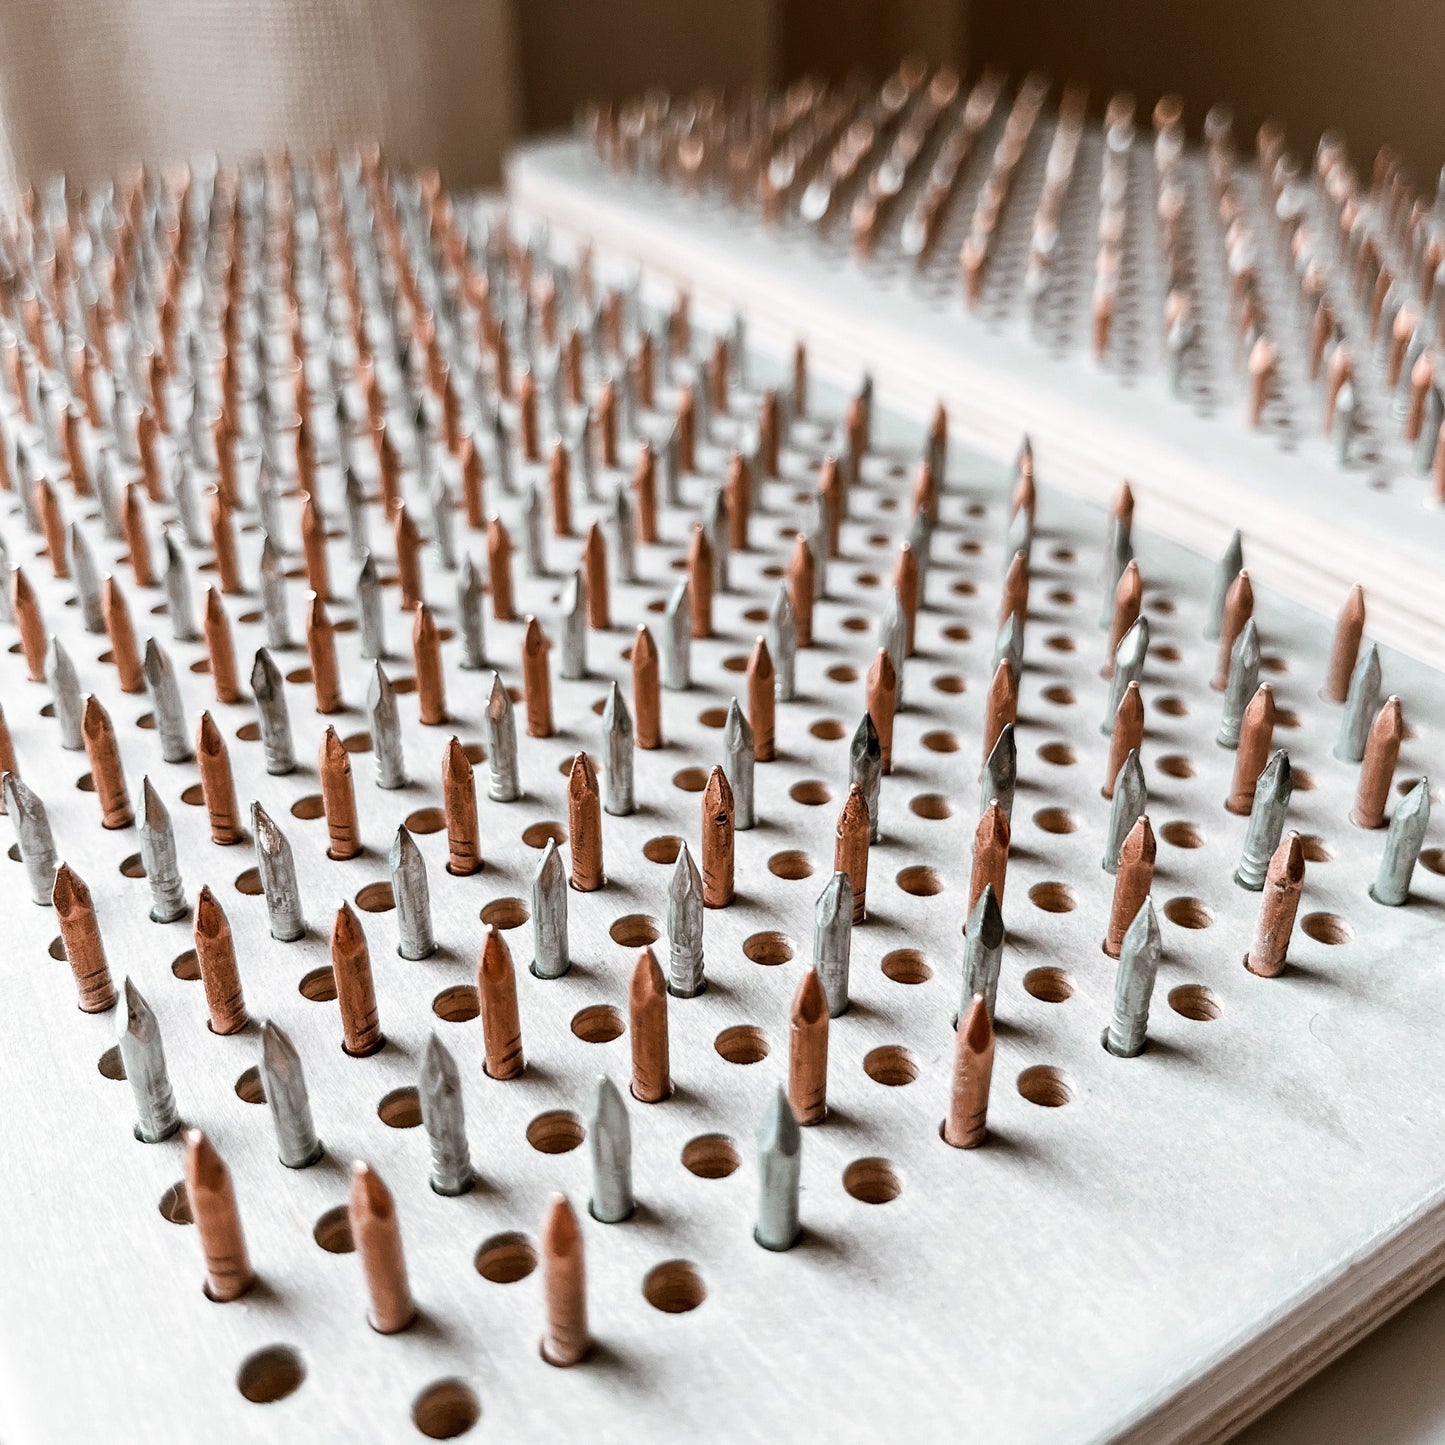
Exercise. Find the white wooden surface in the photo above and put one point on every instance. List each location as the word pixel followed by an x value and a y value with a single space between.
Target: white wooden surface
pixel 1149 1261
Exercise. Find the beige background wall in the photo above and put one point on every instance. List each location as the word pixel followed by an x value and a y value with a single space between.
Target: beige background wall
pixel 89 85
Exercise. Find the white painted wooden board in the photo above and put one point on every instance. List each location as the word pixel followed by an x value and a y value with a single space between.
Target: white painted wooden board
pixel 1313 528
pixel 1154 1260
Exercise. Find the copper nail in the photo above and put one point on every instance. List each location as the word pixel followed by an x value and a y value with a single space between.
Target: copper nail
pixel 474 478
pixel 850 848
pixel 459 804
pixel 84 947
pixel 1345 649
pixel 218 786
pixel 1132 883
pixel 124 652
pixel 408 558
pixel 700 577
pixel 564 1282
pixel 31 626
pixel 376 1233
pixel 217 628
pixel 830 493
pixel 990 854
pixel 527 416
pixel 738 494
pixel 966 1126
pixel 1128 597
pixel 1128 734
pixel 216 960
pixel 559 478
pixel 223 540
pixel 313 547
pixel 718 376
pixel 646 691
pixel 594 565
pixel 1121 509
pixel 1256 731
pixel 105 766
pixel 686 429
pixel 584 825
pixel 501 1026
pixel 1278 905
pixel 882 700
pixel 573 369
pixel 1238 609
pixel 906 581
pixel 218 1223
pixel 537 680
pixel 1001 706
pixel 801 572
pixel 430 679
pixel 769 431
pixel 355 993
pixel 717 841
pixel 808 1051
pixel 646 373
pixel 647 1018
pixel 75 447
pixel 321 649
pixel 132 526
pixel 1015 600
pixel 762 702
pixel 1422 378
pixel 147 431
pixel 1382 752
pixel 388 461
pixel 644 493
pixel 338 798
pixel 52 525
pixel 606 413
pixel 923 500
pixel 499 570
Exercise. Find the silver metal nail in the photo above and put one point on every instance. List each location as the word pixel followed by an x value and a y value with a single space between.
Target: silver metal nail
pixel 107 493
pixel 178 591
pixel 166 705
pixel 983 937
pixel 503 784
pixel 277 868
pixel 624 535
pixel 865 767
pixel 275 720
pixel 1000 774
pixel 1266 821
pixel 573 627
pixel 357 537
pixel 144 1059
pixel 1402 846
pixel 1134 984
pixel 551 945
pixel 383 719
pixel 469 617
pixel 87 580
pixel 443 1116
pixel 582 449
pixel 284 1083
pixel 1129 658
pixel 780 1166
pixel 534 545
pixel 739 755
pixel 833 940
pixel 617 755
pixel 1225 571
pixel 1243 682
pixel 183 491
pixel 160 857
pixel 273 597
pixel 1009 644
pixel 893 636
pixel 715 524
pixel 370 610
pixel 409 889
pixel 32 837
pixel 920 539
pixel 684 928
pixel 783 643
pixel 502 453
pixel 1120 553
pixel 671 468
pixel 1130 800
pixel 65 695
pixel 439 498
pixel 677 640
pixel 268 504
pixel 1361 704
pixel 609 1143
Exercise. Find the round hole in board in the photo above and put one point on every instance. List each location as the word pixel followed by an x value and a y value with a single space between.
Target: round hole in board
pixel 1061 755
pixel 309 808
pixel 446 1409
pixel 662 850
pixel 872 1181
pixel 249 1088
pixel 332 1231
pixel 742 1044
pixel 1055 820
pixel 426 820
pixel 812 793
pixel 711 1156
pixel 1195 1002
pixel 270 1374
pixel 1046 1086
pixel 319 985
pixel 175 1204
pixel 1327 928
pixel 1182 835
pixel 376 897
pixel 401 1108
pixel 931 805
pixel 506 1258
pixel 768 948
pixel 249 882
pixel 920 881
pixel 890 1064
pixel 790 864
pixel 1059 695
pixel 940 741
pixel 505 913
pixel 1189 912
pixel 557 1131
pixel 598 1024
pixel 1048 985
pixel 690 780
pixel 1053 897
pixel 458 1004
pixel 674 1287
pixel 538 835
pixel 635 930
pixel 906 965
